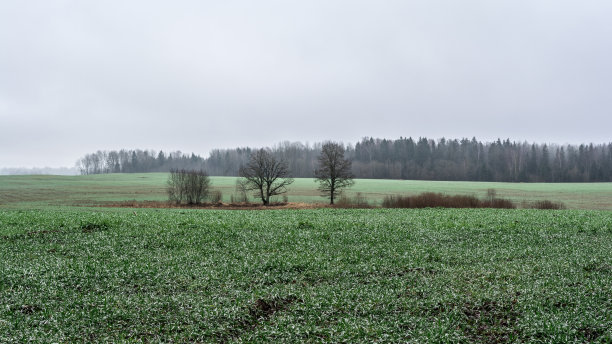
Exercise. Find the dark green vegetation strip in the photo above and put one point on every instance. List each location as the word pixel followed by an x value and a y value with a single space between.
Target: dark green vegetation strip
pixel 319 275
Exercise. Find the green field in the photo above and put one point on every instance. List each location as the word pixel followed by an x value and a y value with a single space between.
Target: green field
pixel 45 191
pixel 71 272
pixel 326 275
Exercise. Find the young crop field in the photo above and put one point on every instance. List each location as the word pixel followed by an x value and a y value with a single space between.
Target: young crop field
pixel 60 191
pixel 323 275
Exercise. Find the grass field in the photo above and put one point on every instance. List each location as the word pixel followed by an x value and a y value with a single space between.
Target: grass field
pixel 45 191
pixel 326 275
pixel 74 273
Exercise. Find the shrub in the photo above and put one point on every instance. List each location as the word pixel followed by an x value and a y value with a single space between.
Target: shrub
pixel 432 200
pixel 242 192
pixel 499 203
pixel 359 201
pixel 546 204
pixel 216 196
pixel 188 186
pixel 491 194
pixel 344 201
pixel 391 201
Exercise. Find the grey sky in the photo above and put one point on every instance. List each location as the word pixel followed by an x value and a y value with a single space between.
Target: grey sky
pixel 78 76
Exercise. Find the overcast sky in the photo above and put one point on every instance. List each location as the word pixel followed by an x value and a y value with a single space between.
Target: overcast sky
pixel 78 76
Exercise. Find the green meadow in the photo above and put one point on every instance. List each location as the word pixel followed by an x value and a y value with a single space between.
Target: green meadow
pixel 72 272
pixel 322 275
pixel 45 191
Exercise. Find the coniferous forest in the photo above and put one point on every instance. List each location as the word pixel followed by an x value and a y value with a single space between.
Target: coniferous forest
pixel 403 158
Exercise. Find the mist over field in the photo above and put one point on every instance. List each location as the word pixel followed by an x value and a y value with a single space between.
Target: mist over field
pixel 60 171
pixel 194 76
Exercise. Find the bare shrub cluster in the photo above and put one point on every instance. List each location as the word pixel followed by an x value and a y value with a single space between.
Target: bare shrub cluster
pixel 358 201
pixel 432 200
pixel 216 196
pixel 242 192
pixel 546 204
pixel 499 203
pixel 188 186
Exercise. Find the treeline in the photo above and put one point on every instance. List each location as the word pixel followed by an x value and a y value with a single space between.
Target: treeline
pixel 403 158
pixel 465 159
pixel 137 161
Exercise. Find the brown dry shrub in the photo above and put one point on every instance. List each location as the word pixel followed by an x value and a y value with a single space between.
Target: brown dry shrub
pixel 433 200
pixel 546 204
pixel 216 196
pixel 499 203
pixel 359 201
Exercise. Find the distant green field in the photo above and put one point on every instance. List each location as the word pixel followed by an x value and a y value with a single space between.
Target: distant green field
pixel 46 191
pixel 326 275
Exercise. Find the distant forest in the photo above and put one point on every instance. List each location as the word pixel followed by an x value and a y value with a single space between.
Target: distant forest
pixel 403 158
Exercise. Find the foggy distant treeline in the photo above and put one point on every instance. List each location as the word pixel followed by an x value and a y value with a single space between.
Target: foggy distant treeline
pixel 403 158
pixel 465 159
pixel 137 161
pixel 60 171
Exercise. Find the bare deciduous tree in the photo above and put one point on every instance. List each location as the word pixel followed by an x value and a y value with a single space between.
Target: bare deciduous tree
pixel 334 172
pixel 189 186
pixel 265 175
